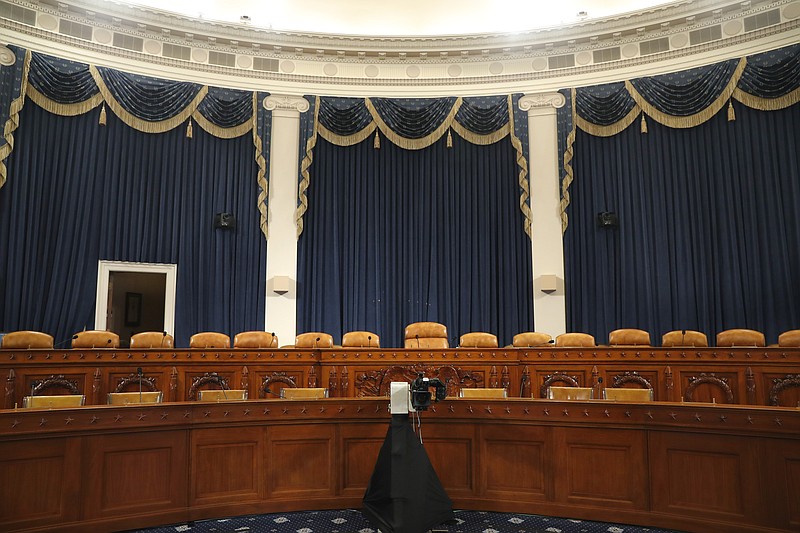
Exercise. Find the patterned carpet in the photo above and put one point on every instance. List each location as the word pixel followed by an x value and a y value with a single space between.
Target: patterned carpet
pixel 352 521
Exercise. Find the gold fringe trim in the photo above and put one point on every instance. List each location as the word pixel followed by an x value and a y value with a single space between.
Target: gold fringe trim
pixel 568 170
pixel 376 142
pixel 102 120
pixel 699 117
pixel 522 179
pixel 220 132
pixel 731 111
pixel 643 126
pixel 261 177
pixel 13 120
pixel 305 164
pixel 189 129
pixel 610 130
pixel 413 144
pixel 145 126
pixel 475 138
pixel 449 138
pixel 65 110
pixel 346 140
pixel 767 104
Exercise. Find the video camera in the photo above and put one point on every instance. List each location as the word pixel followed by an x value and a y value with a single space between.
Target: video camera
pixel 421 394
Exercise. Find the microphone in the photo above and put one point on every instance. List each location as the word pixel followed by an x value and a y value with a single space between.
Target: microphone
pixel 599 386
pixel 417 336
pixel 222 385
pixel 369 341
pixel 272 341
pixel 683 337
pixel 139 372
pixel 163 338
pixel 315 342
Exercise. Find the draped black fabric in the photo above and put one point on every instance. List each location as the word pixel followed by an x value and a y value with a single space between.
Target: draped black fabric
pixel 398 236
pixel 772 74
pixel 344 116
pixel 413 118
pixel 603 104
pixel 61 80
pixel 82 193
pixel 709 235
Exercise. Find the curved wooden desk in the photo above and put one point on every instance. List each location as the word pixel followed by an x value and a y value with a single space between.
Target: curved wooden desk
pixel 691 467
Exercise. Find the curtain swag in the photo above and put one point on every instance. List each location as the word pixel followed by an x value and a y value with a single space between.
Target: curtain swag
pixel 685 99
pixel 145 104
pixel 413 124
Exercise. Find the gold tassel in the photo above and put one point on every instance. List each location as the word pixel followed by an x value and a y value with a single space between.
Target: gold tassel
pixel 731 111
pixel 377 142
pixel 189 129
pixel 449 139
pixel 102 120
pixel 644 124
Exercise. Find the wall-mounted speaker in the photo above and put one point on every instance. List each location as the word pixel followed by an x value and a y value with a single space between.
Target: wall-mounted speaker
pixel 224 221
pixel 607 219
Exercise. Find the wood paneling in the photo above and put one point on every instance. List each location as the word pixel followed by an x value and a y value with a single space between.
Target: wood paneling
pixel 451 449
pixel 302 461
pixel 514 462
pixel 360 447
pixel 227 465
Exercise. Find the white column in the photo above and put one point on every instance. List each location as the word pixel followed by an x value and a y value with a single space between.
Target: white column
pixel 549 302
pixel 281 298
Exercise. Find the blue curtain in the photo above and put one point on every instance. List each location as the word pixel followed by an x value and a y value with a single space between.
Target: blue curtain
pixel 709 234
pixel 395 236
pixel 79 193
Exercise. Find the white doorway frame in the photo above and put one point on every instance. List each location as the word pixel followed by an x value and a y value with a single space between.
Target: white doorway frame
pixel 103 272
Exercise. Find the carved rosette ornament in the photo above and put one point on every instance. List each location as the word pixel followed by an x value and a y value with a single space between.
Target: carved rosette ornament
pixel 377 382
pixel 7 57
pixel 286 102
pixel 534 101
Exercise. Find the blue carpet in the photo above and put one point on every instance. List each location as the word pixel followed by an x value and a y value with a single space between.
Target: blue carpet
pixel 352 521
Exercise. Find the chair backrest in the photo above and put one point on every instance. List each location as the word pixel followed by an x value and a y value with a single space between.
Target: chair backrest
pixel 255 339
pixel 426 335
pixel 147 340
pixel 95 339
pixel 740 337
pixel 623 394
pixel 570 393
pixel 529 339
pixel 313 339
pixel 684 337
pixel 221 395
pixel 25 340
pixel 483 393
pixel 789 338
pixel 47 402
pixel 629 337
pixel 304 393
pixel 133 398
pixel 575 340
pixel 360 339
pixel 210 339
pixel 478 339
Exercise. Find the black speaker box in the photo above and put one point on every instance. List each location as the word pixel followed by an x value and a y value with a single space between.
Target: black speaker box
pixel 607 219
pixel 224 221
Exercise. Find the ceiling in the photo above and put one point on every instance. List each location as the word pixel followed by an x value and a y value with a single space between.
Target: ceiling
pixel 406 18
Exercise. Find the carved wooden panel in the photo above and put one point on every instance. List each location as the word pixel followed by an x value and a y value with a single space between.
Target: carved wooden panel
pixel 714 387
pixel 558 378
pixel 360 445
pixel 597 468
pixel 452 449
pixel 227 465
pixel 39 483
pixel 130 382
pixel 376 382
pixel 783 459
pixel 213 380
pixel 301 461
pixel 783 390
pixel 514 463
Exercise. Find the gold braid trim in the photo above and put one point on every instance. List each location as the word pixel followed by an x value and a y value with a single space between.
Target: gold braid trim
pixel 261 177
pixel 691 120
pixel 146 126
pixel 304 166
pixel 477 138
pixel 346 140
pixel 527 216
pixel 13 120
pixel 218 131
pixel 568 171
pixel 610 130
pixel 767 104
pixel 65 110
pixel 414 144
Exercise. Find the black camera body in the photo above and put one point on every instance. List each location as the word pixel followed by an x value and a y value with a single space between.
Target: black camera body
pixel 421 396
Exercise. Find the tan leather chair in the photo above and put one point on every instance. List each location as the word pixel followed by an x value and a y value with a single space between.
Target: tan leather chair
pixel 570 393
pixel 134 398
pixel 360 339
pixel 531 339
pixel 148 340
pixel 478 339
pixel 25 340
pixel 95 339
pixel 426 335
pixel 255 339
pixel 304 393
pixel 51 402
pixel 684 338
pixel 628 395
pixel 313 339
pixel 221 395
pixel 789 339
pixel 210 339
pixel 629 337
pixel 483 393
pixel 575 340
pixel 740 337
